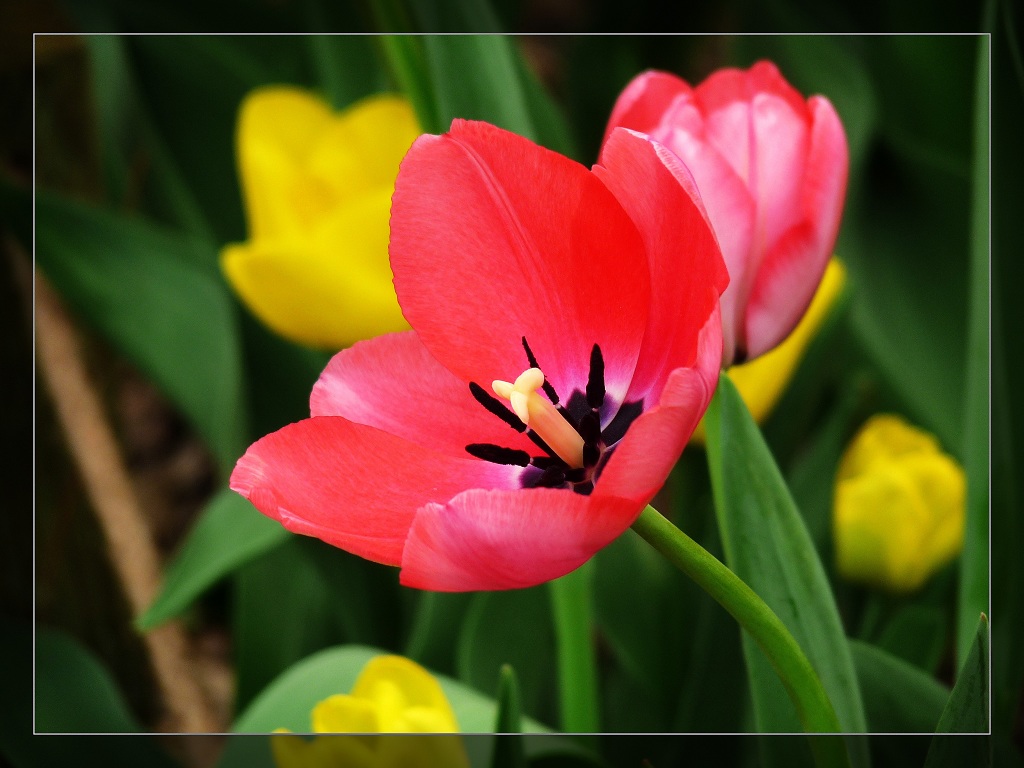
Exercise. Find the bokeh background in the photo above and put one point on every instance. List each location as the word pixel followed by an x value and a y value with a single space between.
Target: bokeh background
pixel 137 191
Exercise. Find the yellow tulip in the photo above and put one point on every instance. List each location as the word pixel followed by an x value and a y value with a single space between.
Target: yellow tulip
pixel 761 381
pixel 317 189
pixel 392 695
pixel 898 512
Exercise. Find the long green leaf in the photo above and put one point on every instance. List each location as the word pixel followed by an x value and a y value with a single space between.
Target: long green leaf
pixel 405 56
pixel 512 627
pixel 304 596
pixel 494 93
pixel 972 597
pixel 508 750
pixel 228 534
pixel 572 610
pixel 898 697
pixel 74 692
pixel 767 545
pixel 966 711
pixel 136 284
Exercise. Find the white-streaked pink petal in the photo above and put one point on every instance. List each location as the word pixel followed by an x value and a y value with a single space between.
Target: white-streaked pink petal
pixel 490 540
pixel 393 383
pixel 354 486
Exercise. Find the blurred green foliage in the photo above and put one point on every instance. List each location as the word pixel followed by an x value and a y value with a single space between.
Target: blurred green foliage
pixel 137 192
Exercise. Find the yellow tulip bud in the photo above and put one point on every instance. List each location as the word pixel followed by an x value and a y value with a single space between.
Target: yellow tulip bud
pixel 317 189
pixel 392 695
pixel 898 512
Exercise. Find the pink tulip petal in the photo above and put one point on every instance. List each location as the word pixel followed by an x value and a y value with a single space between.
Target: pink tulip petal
pixel 780 147
pixel 653 443
pixel 641 105
pixel 792 268
pixel 494 238
pixel 354 486
pixel 828 164
pixel 659 194
pixel 393 383
pixel 723 99
pixel 732 212
pixel 488 540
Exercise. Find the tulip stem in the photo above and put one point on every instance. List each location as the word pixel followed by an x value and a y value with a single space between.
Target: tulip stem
pixel 753 614
pixel 577 666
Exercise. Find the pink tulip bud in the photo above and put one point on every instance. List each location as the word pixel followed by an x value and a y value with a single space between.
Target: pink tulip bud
pixel 771 170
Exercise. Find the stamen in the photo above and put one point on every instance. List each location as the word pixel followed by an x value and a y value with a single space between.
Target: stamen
pixel 552 477
pixel 541 416
pixel 595 383
pixel 497 454
pixel 493 405
pixel 548 389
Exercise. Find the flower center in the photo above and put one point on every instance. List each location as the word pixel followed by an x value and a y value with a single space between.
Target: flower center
pixel 568 433
pixel 540 415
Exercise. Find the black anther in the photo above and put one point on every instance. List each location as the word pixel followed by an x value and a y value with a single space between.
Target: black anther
pixel 595 383
pixel 496 454
pixel 590 428
pixel 494 405
pixel 546 386
pixel 551 478
pixel 545 462
pixel 541 444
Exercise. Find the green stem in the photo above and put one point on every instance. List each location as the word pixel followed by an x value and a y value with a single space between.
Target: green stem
pixel 812 704
pixel 577 667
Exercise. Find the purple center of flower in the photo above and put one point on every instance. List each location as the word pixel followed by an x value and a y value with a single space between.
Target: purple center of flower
pixel 582 412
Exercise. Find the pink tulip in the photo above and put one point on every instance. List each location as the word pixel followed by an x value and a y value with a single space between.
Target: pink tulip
pixel 508 257
pixel 771 170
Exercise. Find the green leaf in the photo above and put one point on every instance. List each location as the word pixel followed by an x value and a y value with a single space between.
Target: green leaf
pixel 917 633
pixel 972 597
pixel 229 533
pixel 898 697
pixel 133 153
pixel 345 65
pixel 244 751
pixel 508 750
pixel 289 699
pixel 511 627
pixel 648 637
pixel 767 545
pixel 967 708
pixel 405 56
pixel 572 613
pixel 139 286
pixel 302 597
pixel 191 87
pixel 509 713
pixel 436 624
pixel 74 692
pixel 966 711
pixel 494 93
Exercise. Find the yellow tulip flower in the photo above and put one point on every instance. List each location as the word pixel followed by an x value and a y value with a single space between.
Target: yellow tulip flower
pixel 317 189
pixel 898 512
pixel 761 381
pixel 392 696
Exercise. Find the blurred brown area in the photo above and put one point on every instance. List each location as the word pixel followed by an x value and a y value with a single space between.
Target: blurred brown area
pixel 74 585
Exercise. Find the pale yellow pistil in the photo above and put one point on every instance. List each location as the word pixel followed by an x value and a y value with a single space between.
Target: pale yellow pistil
pixel 541 416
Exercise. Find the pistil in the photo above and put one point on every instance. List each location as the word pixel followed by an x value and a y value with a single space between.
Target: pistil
pixel 541 416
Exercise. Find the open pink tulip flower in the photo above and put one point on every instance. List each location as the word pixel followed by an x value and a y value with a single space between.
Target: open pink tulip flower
pixel 566 342
pixel 771 169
